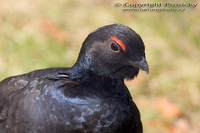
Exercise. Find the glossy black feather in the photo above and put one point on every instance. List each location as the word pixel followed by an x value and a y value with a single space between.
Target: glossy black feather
pixel 78 99
pixel 47 101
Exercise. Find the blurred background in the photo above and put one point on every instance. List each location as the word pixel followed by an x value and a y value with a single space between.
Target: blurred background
pixel 36 34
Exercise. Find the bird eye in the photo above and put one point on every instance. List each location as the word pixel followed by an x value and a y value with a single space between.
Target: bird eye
pixel 114 47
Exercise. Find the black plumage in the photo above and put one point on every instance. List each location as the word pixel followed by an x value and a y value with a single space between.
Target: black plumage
pixel 89 97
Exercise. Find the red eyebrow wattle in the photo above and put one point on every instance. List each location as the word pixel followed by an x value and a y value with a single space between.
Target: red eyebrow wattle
pixel 119 42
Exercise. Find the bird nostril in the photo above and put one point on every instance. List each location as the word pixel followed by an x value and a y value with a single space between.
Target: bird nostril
pixel 142 64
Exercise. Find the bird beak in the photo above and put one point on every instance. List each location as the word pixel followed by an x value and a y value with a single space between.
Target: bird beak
pixel 142 64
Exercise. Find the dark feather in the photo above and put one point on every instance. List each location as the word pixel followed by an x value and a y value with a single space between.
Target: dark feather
pixel 89 97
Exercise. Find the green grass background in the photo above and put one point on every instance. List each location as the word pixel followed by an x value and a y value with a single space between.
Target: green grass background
pixel 36 34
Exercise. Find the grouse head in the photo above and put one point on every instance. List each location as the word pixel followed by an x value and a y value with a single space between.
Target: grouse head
pixel 114 51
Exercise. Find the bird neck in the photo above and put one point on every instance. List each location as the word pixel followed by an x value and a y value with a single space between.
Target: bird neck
pixel 82 68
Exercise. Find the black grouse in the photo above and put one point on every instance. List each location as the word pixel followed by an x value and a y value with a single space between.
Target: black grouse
pixel 89 97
